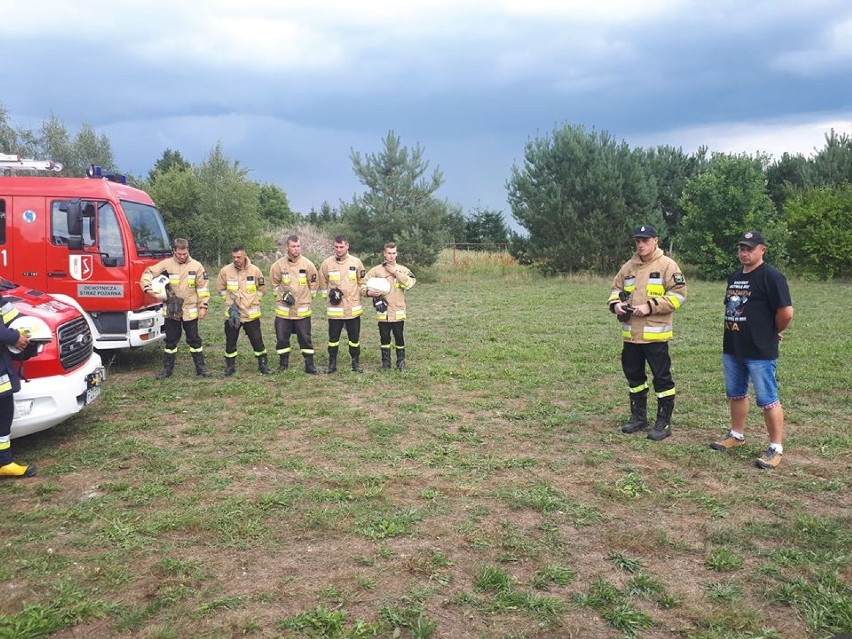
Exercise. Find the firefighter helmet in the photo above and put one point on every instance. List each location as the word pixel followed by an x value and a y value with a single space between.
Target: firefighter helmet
pixel 335 296
pixel 34 328
pixel 160 286
pixel 379 284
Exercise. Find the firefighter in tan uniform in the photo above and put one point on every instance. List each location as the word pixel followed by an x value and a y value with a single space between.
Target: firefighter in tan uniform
pixel 390 306
pixel 294 279
pixel 342 283
pixel 241 285
pixel 645 294
pixel 186 297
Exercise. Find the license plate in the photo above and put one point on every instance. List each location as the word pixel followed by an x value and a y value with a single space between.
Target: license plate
pixel 94 382
pixel 92 394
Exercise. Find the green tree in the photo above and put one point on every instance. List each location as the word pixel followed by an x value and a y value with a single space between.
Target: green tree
pixel 832 165
pixel 274 206
pixel 399 204
pixel 89 148
pixel 54 143
pixel 456 224
pixel 486 226
pixel 672 169
pixel 723 202
pixel 176 193
pixel 787 175
pixel 820 224
pixel 228 210
pixel 169 160
pixel 578 195
pixel 327 215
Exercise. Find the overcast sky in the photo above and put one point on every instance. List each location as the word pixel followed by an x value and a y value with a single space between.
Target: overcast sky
pixel 290 88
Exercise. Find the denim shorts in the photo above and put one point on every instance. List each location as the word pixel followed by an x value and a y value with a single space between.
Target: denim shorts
pixel 762 374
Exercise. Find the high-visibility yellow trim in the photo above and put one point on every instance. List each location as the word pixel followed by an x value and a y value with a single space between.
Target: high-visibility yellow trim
pixel 666 393
pixel 639 389
pixel 657 333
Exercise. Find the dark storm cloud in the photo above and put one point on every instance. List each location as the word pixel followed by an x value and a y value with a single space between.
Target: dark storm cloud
pixel 471 85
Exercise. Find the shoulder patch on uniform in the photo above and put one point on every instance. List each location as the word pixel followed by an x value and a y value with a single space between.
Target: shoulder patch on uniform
pixel 261 281
pixel 314 277
pixel 678 278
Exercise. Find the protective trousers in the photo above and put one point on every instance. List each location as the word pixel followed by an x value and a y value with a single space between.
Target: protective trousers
pixel 385 331
pixel 173 330
pixel 656 355
pixel 284 329
pixel 7 413
pixel 252 331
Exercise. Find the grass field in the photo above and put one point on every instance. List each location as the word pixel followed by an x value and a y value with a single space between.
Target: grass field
pixel 485 493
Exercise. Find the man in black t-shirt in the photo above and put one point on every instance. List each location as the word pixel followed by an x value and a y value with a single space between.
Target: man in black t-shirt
pixel 757 310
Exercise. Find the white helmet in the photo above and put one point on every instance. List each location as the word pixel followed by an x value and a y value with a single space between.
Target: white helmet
pixel 379 284
pixel 36 329
pixel 159 285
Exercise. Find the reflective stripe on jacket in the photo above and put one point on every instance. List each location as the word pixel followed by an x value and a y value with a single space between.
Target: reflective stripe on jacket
pixel 299 278
pixel 244 287
pixel 402 280
pixel 348 275
pixel 660 283
pixel 188 281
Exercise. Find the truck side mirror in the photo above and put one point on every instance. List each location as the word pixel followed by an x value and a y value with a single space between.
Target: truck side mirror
pixel 74 216
pixel 75 243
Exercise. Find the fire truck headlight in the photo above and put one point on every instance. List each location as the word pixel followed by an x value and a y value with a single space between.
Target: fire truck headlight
pixel 23 408
pixel 146 323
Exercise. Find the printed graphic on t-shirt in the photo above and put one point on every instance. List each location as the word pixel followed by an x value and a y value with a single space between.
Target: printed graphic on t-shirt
pixel 735 304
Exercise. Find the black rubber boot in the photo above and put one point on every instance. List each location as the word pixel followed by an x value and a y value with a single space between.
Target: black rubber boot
pixel 168 366
pixel 263 364
pixel 356 366
pixel 638 413
pixel 310 369
pixel 400 360
pixel 283 362
pixel 200 366
pixel 386 359
pixel 332 361
pixel 663 425
pixel 230 366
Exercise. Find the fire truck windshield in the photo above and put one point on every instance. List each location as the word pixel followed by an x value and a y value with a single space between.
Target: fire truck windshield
pixel 149 232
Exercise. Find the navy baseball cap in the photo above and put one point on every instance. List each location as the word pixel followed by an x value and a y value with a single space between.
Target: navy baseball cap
pixel 751 239
pixel 645 230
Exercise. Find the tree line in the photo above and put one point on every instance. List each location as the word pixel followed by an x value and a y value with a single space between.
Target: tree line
pixel 576 195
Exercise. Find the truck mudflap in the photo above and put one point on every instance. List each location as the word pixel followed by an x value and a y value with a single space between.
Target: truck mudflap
pixel 45 402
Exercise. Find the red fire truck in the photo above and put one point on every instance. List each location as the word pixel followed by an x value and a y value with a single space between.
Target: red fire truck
pixel 65 374
pixel 86 241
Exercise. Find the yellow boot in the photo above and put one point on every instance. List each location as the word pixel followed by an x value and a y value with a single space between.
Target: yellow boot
pixel 16 470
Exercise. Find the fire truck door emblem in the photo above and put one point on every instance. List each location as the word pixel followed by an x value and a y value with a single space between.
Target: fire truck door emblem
pixel 81 266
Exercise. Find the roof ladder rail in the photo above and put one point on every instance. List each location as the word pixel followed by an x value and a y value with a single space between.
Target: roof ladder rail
pixel 11 163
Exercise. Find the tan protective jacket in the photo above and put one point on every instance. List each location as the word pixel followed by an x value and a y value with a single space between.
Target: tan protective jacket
pixel 348 275
pixel 244 287
pixel 402 280
pixel 299 278
pixel 188 281
pixel 658 281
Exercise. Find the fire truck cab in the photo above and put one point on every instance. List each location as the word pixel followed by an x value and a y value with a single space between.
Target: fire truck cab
pixel 65 374
pixel 85 241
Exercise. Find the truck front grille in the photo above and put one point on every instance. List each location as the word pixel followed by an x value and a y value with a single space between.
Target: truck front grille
pixel 75 343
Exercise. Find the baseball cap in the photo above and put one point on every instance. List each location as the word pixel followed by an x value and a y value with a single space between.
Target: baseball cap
pixel 645 230
pixel 751 239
